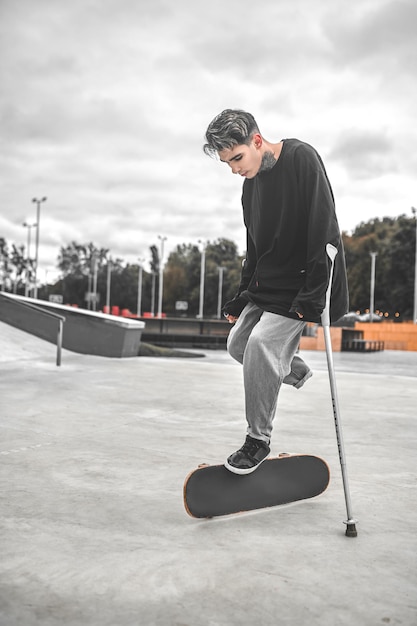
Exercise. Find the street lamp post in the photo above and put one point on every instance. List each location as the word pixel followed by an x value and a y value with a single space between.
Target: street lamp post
pixel 202 276
pixel 29 227
pixel 372 294
pixel 153 295
pixel 220 290
pixel 38 219
pixel 89 288
pixel 139 302
pixel 414 211
pixel 95 272
pixel 109 268
pixel 161 275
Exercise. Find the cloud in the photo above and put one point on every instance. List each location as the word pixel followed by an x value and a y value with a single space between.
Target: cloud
pixel 365 155
pixel 105 104
pixel 373 30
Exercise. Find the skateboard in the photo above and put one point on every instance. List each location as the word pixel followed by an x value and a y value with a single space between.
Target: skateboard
pixel 212 490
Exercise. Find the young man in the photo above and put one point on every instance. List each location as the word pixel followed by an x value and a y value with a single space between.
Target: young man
pixel 289 214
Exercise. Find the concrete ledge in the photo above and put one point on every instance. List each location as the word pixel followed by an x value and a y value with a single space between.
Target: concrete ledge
pixel 182 340
pixel 187 326
pixel 86 332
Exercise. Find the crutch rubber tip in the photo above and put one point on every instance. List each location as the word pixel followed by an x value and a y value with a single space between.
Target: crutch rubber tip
pixel 351 530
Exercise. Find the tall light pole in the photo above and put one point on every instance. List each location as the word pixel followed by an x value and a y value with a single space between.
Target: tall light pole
pixel 95 271
pixel 38 219
pixel 29 227
pixel 161 275
pixel 109 268
pixel 139 302
pixel 202 276
pixel 372 294
pixel 220 290
pixel 414 211
pixel 153 295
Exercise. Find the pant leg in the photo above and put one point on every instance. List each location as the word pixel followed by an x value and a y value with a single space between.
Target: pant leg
pixel 299 374
pixel 267 359
pixel 240 332
pixel 238 338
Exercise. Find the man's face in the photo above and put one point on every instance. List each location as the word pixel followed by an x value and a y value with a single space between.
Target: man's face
pixel 242 159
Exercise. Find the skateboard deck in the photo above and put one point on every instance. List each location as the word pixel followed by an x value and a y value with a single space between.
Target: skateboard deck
pixel 212 490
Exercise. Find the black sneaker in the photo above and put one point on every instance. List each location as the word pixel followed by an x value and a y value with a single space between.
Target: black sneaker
pixel 249 457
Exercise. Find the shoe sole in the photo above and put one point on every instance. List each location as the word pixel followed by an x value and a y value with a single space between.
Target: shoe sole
pixel 242 472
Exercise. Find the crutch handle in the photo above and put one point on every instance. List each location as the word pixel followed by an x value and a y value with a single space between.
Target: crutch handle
pixel 331 251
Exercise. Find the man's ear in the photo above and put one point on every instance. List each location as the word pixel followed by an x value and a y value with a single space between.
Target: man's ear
pixel 257 140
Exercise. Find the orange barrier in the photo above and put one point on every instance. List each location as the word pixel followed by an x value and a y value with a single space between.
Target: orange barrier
pixel 395 335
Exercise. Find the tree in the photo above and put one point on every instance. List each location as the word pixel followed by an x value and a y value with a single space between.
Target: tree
pixel 13 267
pixel 79 263
pixel 4 264
pixel 394 242
pixel 155 268
pixel 392 239
pixel 399 277
pixel 19 266
pixel 183 270
pixel 181 276
pixel 78 259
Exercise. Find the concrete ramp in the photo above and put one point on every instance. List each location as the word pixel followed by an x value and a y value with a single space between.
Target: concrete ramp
pixel 86 332
pixel 19 346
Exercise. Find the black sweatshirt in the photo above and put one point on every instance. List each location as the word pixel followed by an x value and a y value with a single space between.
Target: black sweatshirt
pixel 289 214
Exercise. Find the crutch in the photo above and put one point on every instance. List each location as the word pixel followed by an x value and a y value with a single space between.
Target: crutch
pixel 325 320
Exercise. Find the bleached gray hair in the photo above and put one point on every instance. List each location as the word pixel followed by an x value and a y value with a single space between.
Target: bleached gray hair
pixel 232 127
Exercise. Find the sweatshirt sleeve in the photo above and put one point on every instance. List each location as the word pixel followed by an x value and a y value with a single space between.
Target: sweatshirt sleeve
pixel 322 228
pixel 249 264
pixel 236 306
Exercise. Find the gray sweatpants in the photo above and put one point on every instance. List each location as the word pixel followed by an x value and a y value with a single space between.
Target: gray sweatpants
pixel 266 345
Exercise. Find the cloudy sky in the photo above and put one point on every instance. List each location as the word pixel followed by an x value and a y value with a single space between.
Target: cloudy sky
pixel 104 105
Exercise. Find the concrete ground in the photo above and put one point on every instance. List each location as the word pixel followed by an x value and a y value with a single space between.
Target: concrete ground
pixel 93 459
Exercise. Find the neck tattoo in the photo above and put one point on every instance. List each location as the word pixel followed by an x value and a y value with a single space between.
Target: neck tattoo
pixel 268 162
